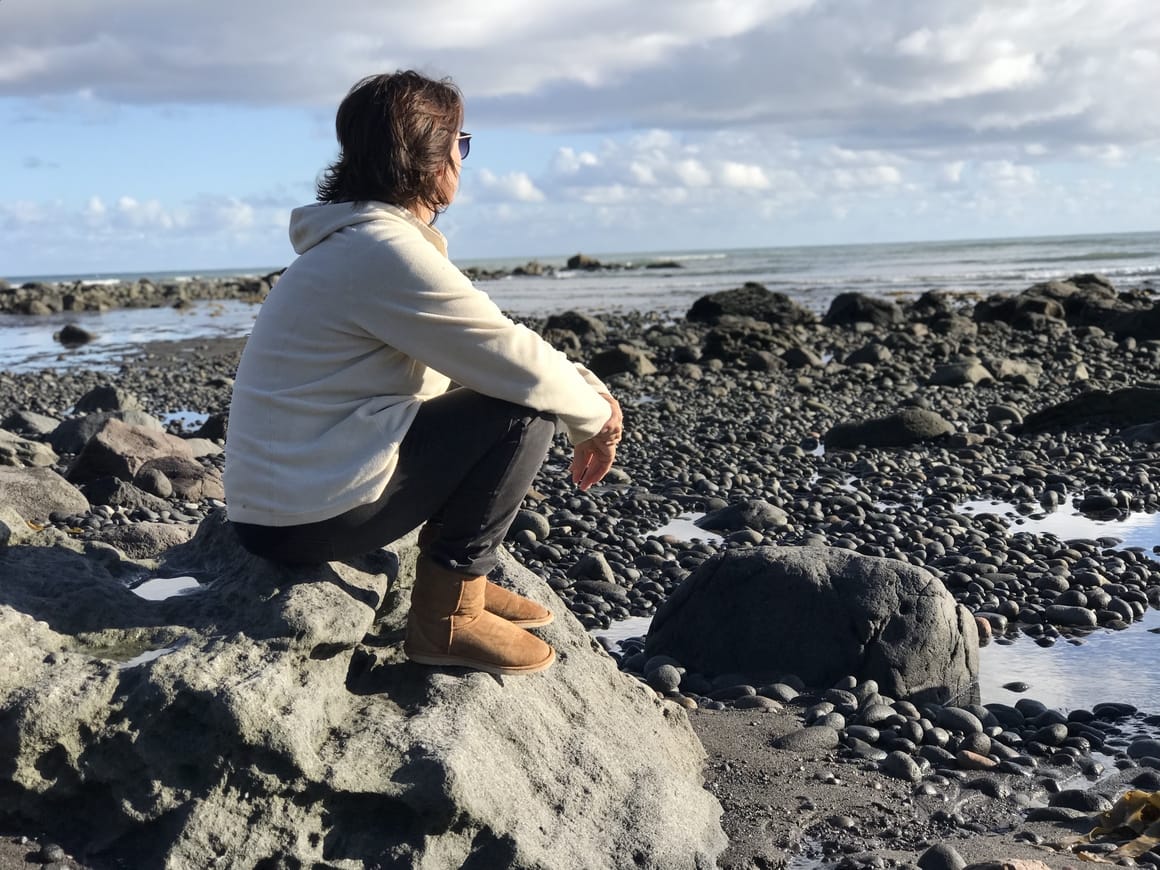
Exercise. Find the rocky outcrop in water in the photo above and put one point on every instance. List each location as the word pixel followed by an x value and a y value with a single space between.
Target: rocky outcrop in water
pixel 36 298
pixel 269 719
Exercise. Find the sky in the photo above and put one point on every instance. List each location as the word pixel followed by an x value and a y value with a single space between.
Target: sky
pixel 156 135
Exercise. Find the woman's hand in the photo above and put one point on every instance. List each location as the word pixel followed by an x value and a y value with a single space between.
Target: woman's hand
pixel 593 458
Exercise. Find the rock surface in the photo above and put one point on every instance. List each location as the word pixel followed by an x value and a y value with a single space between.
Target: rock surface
pixel 35 493
pixel 908 426
pixel 821 613
pixel 278 724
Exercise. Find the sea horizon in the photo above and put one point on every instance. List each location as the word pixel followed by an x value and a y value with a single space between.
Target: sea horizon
pixel 558 260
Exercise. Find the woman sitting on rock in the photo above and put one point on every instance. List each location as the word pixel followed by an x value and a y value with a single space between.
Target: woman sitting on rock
pixel 343 434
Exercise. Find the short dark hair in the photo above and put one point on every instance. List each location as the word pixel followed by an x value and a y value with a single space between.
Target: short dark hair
pixel 395 133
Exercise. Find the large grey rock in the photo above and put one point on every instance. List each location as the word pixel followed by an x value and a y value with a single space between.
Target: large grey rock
pixel 190 479
pixel 35 493
pixel 965 373
pixel 622 359
pixel 147 540
pixel 1016 370
pixel 278 724
pixel 14 529
pixel 29 424
pixel 20 451
pixel 120 449
pixel 72 434
pixel 107 398
pixel 906 427
pixel 821 614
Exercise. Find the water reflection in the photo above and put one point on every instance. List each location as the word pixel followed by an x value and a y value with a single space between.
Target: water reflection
pixel 1137 530
pixel 1108 666
pixel 160 588
pixel 27 343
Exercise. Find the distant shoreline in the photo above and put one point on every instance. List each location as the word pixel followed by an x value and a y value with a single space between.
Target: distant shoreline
pixel 558 260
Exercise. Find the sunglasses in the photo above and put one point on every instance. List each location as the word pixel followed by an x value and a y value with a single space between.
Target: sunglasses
pixel 464 140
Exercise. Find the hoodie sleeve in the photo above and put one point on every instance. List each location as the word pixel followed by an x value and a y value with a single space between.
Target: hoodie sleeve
pixel 419 303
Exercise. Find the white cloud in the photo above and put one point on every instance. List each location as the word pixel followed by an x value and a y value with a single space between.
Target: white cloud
pixel 1005 174
pixel 571 161
pixel 743 176
pixel 953 171
pixel 1051 71
pixel 692 173
pixel 511 185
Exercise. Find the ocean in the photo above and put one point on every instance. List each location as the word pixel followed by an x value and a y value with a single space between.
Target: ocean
pixel 812 275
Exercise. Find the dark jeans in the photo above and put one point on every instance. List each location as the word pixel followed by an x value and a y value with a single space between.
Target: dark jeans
pixel 466 464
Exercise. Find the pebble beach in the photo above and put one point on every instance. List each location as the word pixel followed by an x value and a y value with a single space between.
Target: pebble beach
pixel 937 429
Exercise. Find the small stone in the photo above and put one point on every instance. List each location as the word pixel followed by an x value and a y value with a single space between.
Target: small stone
pixel 778 692
pixel 1078 799
pixel 758 702
pixel 665 678
pixel 1055 814
pixel 960 720
pixel 815 738
pixel 968 760
pixel 901 766
pixel 1143 748
pixel 941 857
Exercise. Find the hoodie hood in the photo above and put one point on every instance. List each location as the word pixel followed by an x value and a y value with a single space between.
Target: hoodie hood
pixel 310 224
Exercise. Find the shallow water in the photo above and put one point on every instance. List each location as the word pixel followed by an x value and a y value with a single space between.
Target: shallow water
pixel 148 656
pixel 1137 530
pixel 188 421
pixel 26 343
pixel 685 528
pixel 1107 666
pixel 160 588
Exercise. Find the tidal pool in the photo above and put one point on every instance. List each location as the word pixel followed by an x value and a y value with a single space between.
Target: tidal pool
pixel 160 588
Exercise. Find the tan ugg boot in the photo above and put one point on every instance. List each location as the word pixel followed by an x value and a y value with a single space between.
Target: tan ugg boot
pixel 502 602
pixel 448 625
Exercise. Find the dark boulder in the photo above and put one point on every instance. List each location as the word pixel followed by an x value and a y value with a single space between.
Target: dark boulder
pixel 822 614
pixel 583 261
pixel 850 308
pixel 908 426
pixel 750 300
pixel 750 514
pixel 622 359
pixel 583 325
pixel 71 335
pixel 1131 406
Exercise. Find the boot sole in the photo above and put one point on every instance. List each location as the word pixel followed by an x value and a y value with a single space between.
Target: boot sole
pixel 532 623
pixel 476 665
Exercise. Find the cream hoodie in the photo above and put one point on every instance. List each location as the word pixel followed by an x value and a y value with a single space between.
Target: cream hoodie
pixel 368 322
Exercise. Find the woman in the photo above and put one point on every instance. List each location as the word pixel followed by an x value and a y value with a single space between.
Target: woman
pixel 343 435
